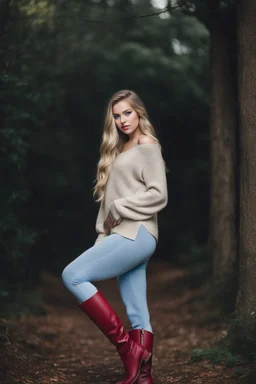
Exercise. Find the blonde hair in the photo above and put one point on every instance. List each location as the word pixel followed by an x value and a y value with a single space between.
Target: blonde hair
pixel 113 139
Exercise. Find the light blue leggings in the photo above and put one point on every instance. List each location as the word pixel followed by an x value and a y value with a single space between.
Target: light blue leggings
pixel 116 256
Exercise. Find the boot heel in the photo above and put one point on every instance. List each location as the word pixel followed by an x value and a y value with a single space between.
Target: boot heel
pixel 146 356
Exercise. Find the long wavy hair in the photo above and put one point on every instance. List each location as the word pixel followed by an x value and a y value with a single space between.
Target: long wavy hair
pixel 113 139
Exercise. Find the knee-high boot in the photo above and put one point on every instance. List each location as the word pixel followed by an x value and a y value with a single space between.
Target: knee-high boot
pixel 145 338
pixel 132 354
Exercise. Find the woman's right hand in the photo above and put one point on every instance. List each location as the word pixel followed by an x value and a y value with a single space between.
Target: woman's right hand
pixel 110 222
pixel 106 228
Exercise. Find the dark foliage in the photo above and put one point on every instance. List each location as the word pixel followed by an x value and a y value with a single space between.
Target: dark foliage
pixel 60 63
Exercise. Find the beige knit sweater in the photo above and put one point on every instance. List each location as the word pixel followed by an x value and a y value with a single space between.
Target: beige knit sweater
pixel 136 190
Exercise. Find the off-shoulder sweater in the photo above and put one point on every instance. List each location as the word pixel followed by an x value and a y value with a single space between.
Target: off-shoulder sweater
pixel 135 192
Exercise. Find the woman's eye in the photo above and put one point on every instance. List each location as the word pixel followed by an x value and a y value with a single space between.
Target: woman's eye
pixel 128 113
pixel 116 117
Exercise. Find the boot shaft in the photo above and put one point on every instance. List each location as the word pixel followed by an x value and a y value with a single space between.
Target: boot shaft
pixel 143 337
pixel 102 314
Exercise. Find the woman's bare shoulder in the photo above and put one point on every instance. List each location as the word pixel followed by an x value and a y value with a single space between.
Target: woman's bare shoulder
pixel 145 139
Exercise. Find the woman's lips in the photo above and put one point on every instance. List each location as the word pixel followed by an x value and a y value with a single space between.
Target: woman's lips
pixel 125 127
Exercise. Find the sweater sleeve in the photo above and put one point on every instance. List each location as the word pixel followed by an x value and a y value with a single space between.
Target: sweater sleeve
pixel 144 205
pixel 99 225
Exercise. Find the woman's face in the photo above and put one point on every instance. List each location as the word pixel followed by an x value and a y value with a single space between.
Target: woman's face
pixel 126 118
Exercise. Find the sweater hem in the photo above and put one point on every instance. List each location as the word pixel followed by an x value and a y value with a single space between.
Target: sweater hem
pixel 132 234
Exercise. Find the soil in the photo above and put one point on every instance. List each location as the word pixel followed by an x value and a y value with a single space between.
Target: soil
pixel 64 346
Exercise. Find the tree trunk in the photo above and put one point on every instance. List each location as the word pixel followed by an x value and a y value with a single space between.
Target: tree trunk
pixel 246 21
pixel 223 128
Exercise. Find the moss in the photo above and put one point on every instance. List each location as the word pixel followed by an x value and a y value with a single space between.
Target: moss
pixel 216 355
pixel 237 348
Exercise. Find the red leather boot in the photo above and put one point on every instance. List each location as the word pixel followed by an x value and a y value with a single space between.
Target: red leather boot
pixel 145 338
pixel 132 354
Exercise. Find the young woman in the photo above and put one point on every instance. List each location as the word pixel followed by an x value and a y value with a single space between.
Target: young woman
pixel 131 188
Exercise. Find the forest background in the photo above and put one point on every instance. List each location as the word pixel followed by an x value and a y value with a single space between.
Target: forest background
pixel 193 64
pixel 60 63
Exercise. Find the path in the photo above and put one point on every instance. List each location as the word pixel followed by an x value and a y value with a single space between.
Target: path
pixel 66 347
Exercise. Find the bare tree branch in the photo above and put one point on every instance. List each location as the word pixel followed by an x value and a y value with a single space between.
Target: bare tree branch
pixel 167 9
pixel 122 18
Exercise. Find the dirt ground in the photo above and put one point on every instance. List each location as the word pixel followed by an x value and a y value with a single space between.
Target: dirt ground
pixel 64 346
